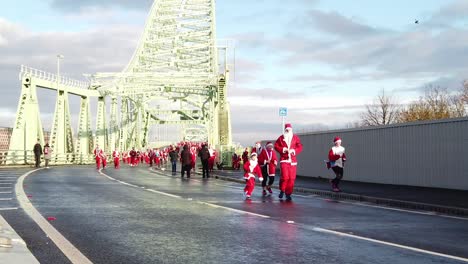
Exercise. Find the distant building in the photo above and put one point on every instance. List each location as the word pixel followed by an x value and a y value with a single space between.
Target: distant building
pixel 5 137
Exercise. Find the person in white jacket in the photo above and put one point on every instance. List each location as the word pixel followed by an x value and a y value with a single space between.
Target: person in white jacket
pixel 337 159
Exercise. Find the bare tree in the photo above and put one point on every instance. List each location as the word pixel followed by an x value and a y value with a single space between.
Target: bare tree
pixel 382 111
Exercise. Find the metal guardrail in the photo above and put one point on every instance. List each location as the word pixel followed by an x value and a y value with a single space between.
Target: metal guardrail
pixel 47 76
pixel 21 157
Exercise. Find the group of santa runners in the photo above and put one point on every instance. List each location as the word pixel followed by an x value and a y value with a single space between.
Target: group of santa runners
pixel 261 163
pixel 156 156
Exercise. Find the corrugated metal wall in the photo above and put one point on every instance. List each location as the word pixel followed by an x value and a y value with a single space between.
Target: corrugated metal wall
pixel 429 154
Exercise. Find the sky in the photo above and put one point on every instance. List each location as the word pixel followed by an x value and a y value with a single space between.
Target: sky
pixel 322 59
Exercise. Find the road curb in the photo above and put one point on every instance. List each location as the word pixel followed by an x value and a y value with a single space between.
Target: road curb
pixel 13 249
pixel 371 199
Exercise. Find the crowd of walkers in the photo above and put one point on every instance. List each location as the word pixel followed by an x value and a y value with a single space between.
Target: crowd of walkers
pixel 260 163
pixel 184 152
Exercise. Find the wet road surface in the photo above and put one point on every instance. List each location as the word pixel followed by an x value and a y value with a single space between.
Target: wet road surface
pixel 134 215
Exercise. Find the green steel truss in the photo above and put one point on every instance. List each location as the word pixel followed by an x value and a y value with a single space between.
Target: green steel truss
pixel 173 78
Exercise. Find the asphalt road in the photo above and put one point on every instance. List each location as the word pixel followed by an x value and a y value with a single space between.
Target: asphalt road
pixel 140 216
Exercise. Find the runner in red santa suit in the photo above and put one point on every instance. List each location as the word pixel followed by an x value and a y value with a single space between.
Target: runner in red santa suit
pixel 289 146
pixel 193 151
pixel 257 148
pixel 104 160
pixel 98 156
pixel 268 162
pixel 116 156
pixel 133 157
pixel 251 170
pixel 211 160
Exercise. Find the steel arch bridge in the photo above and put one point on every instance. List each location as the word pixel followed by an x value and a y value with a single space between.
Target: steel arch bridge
pixel 178 75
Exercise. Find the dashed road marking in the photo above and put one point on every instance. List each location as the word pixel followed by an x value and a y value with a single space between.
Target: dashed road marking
pixel 397 209
pixel 8 208
pixel 328 231
pixel 232 209
pixel 199 202
pixel 332 232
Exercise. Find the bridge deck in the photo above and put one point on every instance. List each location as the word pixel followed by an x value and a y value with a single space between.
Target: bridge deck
pixel 137 215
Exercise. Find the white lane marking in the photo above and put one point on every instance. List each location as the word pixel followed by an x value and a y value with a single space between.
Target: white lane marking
pixel 6 187
pixel 305 196
pixel 219 184
pixel 232 209
pixel 323 230
pixel 6 199
pixel 8 208
pixel 199 202
pixel 6 192
pixel 400 210
pixel 163 193
pixel 132 185
pixel 5 183
pixel 70 251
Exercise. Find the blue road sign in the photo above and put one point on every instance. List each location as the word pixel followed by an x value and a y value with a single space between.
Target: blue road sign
pixel 283 111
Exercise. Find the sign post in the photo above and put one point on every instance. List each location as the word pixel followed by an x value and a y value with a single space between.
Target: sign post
pixel 283 112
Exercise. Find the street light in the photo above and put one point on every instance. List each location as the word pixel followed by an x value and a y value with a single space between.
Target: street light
pixel 59 57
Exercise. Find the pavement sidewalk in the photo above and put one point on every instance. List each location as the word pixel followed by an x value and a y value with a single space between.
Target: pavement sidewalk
pixel 12 248
pixel 438 200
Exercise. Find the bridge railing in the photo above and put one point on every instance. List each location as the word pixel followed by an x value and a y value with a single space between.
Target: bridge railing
pixel 22 157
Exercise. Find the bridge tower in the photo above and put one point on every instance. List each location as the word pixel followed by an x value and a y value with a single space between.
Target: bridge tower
pixel 173 77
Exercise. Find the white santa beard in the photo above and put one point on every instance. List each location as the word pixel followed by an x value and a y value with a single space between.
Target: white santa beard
pixel 287 137
pixel 253 163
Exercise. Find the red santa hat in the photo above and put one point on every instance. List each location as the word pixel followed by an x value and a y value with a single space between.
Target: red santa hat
pixel 337 139
pixel 253 154
pixel 269 144
pixel 286 126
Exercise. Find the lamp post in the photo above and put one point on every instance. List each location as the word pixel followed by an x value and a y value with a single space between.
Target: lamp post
pixel 59 57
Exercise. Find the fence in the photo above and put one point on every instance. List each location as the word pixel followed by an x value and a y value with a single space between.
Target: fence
pixel 21 157
pixel 426 154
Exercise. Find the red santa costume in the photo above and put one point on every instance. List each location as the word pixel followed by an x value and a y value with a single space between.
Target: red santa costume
pixel 98 156
pixel 251 170
pixel 116 156
pixel 157 158
pixel 104 160
pixel 268 162
pixel 133 157
pixel 245 156
pixel 211 160
pixel 289 146
pixel 193 151
pixel 257 149
pixel 337 158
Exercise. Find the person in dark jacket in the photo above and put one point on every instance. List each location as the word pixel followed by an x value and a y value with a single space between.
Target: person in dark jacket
pixel 173 155
pixel 37 153
pixel 186 160
pixel 204 155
